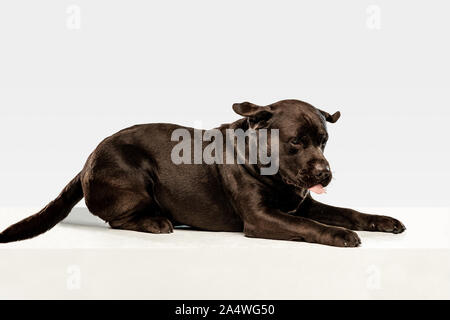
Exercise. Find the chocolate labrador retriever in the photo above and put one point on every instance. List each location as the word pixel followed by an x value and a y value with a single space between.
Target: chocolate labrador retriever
pixel 132 182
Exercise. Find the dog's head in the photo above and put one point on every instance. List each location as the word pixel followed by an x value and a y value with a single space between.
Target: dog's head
pixel 302 138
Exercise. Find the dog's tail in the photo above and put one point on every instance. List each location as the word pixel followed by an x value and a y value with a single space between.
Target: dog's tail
pixel 48 217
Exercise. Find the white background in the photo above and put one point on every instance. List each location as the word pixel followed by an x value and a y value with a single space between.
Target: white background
pixel 63 90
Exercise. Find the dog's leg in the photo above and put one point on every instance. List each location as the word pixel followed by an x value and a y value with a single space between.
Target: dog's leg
pixel 274 224
pixel 144 223
pixel 347 218
pixel 262 220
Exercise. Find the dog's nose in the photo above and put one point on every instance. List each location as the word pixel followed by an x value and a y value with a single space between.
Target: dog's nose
pixel 323 173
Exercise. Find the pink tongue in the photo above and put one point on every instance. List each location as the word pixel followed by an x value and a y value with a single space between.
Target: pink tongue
pixel 318 188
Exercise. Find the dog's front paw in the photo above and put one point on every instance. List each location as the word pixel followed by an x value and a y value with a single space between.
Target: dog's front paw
pixel 386 224
pixel 340 237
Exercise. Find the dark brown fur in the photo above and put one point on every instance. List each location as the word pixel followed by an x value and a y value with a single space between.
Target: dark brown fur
pixel 130 182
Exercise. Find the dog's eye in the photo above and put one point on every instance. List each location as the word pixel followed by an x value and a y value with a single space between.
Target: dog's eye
pixel 298 140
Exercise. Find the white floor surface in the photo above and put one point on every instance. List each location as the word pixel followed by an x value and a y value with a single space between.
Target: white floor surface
pixel 83 258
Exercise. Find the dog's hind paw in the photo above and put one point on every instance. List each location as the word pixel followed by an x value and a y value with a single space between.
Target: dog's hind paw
pixel 158 225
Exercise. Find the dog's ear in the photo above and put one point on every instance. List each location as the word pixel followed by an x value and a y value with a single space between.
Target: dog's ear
pixel 247 109
pixel 257 115
pixel 331 118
